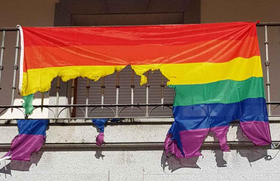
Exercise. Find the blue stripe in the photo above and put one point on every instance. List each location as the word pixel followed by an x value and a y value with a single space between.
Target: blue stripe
pixel 211 115
pixel 32 126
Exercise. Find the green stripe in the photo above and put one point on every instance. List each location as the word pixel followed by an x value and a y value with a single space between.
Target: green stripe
pixel 225 91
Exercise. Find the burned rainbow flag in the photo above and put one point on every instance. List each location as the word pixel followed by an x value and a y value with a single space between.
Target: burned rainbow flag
pixel 215 70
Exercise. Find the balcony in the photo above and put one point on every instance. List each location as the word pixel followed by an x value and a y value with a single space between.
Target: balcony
pixel 115 96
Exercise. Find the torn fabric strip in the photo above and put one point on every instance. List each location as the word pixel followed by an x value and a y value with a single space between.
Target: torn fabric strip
pixel 99 123
pixel 31 137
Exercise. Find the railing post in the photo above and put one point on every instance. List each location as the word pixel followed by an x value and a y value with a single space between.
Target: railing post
pixel 87 98
pixel 15 70
pixel 2 54
pixel 267 64
pixel 57 96
pixel 132 86
pixel 102 92
pixel 117 93
pixel 162 90
pixel 72 96
pixel 42 101
pixel 147 95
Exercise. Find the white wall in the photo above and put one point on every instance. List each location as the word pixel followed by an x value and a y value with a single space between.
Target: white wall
pixel 240 164
pixel 143 166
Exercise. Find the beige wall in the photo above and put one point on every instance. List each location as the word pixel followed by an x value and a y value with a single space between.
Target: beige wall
pixel 252 10
pixel 239 10
pixel 27 12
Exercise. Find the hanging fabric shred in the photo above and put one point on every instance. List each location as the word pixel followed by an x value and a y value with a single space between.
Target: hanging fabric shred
pixel 31 137
pixel 100 125
pixel 27 104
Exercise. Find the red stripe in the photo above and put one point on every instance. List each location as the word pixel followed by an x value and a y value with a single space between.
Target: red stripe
pixel 137 35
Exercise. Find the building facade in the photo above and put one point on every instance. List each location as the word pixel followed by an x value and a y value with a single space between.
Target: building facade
pixel 134 148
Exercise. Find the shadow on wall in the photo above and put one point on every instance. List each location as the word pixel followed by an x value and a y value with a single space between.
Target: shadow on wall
pixel 21 165
pixel 98 154
pixel 252 155
pixel 174 163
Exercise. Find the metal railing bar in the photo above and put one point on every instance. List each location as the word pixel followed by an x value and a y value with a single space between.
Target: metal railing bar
pixel 89 123
pixel 268 24
pixel 88 118
pixel 89 105
pixel 258 24
pixel 9 29
pixel 120 146
pixel 125 121
pixel 108 105
pixel 273 102
pixel 277 120
pixel 273 118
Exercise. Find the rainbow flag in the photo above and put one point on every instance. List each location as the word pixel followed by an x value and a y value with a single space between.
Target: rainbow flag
pixel 215 70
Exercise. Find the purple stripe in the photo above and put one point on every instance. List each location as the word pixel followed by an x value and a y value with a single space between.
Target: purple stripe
pixel 221 134
pixel 192 140
pixel 24 145
pixel 257 131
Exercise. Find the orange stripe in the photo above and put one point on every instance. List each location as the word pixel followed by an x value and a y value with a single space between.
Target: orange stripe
pixel 215 51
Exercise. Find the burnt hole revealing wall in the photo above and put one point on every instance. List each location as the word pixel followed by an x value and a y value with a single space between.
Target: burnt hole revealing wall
pixel 124 88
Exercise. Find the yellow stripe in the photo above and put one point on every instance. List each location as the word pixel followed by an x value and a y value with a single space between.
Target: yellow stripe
pixel 200 73
pixel 191 73
pixel 40 79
